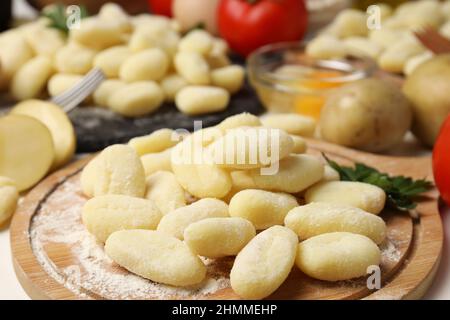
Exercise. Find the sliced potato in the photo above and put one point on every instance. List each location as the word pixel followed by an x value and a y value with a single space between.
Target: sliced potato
pixel 57 122
pixel 27 150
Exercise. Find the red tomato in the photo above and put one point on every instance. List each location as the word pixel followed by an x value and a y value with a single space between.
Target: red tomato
pixel 162 7
pixel 250 24
pixel 441 161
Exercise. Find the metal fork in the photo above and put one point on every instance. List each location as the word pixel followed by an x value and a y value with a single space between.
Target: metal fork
pixel 72 97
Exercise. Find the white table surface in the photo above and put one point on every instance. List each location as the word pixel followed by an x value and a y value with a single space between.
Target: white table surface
pixel 11 289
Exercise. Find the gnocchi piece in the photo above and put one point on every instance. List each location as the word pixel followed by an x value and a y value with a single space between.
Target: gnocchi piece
pixel 194 100
pixel 291 123
pixel 26 148
pixel 88 177
pixel 365 196
pixel 61 82
pixel 119 171
pixel 110 60
pixel 320 217
pixel 107 214
pixel 251 147
pixel 75 59
pixel 416 61
pixel 199 41
pixel 396 56
pixel 114 13
pixel 157 141
pixel 219 47
pixel 44 41
pixel 165 191
pixel 219 237
pixel 136 99
pixel 97 34
pixel 330 174
pixel 149 36
pixel 231 78
pixel 146 65
pixel 14 53
pixel 193 67
pixel 299 144
pixel 171 85
pixel 386 37
pixel 155 256
pixel 262 208
pixel 326 47
pixel 216 61
pixel 59 124
pixel 154 162
pixel 264 263
pixel 174 223
pixel 337 256
pixel 9 196
pixel 240 120
pixel 197 174
pixel 31 79
pixel 105 90
pixel 295 174
pixel 362 47
pixel 350 22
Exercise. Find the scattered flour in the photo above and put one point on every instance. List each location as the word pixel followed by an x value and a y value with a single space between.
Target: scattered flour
pixel 89 271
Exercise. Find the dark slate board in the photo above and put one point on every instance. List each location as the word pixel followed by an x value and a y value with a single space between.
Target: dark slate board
pixel 97 127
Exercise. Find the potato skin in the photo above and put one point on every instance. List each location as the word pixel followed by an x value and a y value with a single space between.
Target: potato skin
pixel 427 88
pixel 368 114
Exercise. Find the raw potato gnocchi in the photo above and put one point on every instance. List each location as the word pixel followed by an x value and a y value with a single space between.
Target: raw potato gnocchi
pixel 199 41
pixel 337 256
pixel 194 100
pixel 219 237
pixel 230 78
pixel 196 175
pixel 365 196
pixel 193 67
pixel 176 222
pixel 97 34
pixel 251 147
pixel 88 177
pixel 262 208
pixel 326 47
pixel 105 90
pixel 264 263
pixel 154 162
pixel 56 120
pixel 61 82
pixel 14 53
pixel 147 65
pixel 31 79
pixel 319 217
pixel 172 84
pixel 291 123
pixel 295 174
pixel 299 144
pixel 8 199
pixel 165 191
pixel 240 120
pixel 107 214
pixel 136 99
pixel 74 59
pixel 26 148
pixel 155 256
pixel 110 60
pixel 157 141
pixel 119 170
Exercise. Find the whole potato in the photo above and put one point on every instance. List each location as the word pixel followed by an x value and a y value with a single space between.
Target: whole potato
pixel 367 114
pixel 428 89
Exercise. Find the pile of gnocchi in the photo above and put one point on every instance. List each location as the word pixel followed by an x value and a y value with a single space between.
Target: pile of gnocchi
pixel 393 45
pixel 159 217
pixel 146 59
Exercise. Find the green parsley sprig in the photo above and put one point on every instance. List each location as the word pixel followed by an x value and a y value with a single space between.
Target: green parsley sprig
pixel 58 16
pixel 400 190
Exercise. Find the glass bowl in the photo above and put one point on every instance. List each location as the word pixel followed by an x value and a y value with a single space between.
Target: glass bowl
pixel 287 80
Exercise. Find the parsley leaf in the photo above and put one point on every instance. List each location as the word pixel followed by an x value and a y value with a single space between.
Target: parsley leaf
pixel 400 190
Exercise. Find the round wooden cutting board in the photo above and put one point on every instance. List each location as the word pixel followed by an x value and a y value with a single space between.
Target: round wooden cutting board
pixel 56 258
